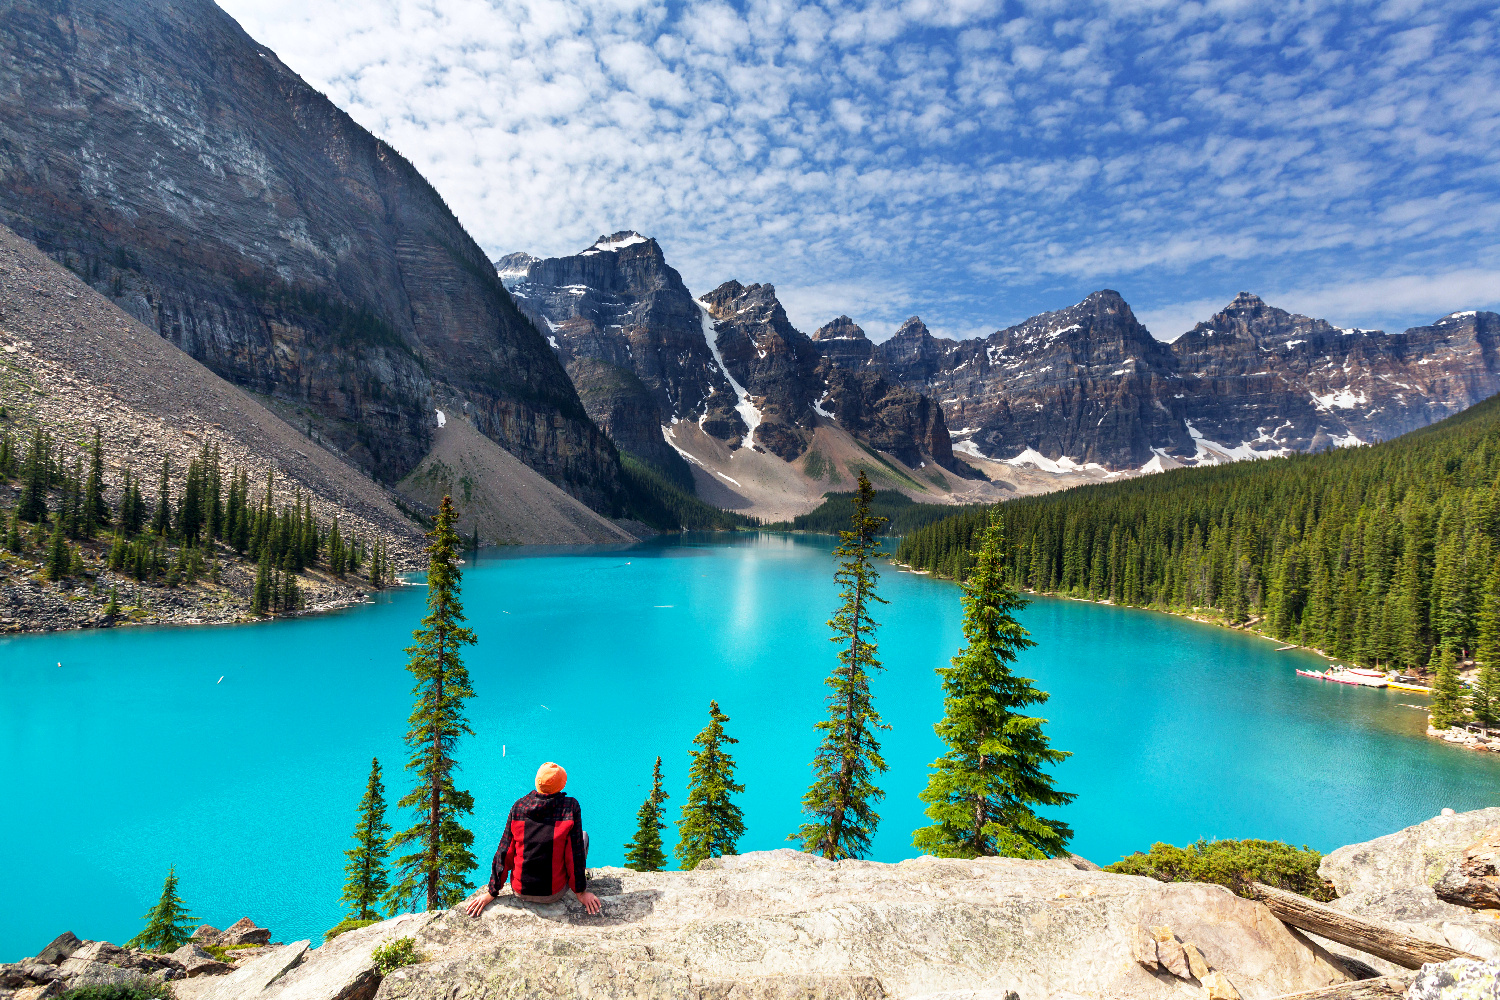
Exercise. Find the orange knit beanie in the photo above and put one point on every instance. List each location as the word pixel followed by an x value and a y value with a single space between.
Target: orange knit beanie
pixel 550 778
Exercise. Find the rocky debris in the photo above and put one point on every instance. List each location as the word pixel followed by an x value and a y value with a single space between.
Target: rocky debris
pixel 1159 949
pixel 1472 878
pixel 1473 738
pixel 1460 979
pixel 68 963
pixel 1393 879
pixel 238 213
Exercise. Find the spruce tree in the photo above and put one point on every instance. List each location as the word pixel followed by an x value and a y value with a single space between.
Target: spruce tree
pixel 367 881
pixel 161 521
pixel 982 793
pixel 644 851
pixel 842 796
pixel 168 925
pixel 1485 700
pixel 13 536
pixel 260 597
pixel 1447 702
pixel 59 559
pixel 335 550
pixel 36 479
pixel 95 507
pixel 112 610
pixel 711 823
pixel 438 864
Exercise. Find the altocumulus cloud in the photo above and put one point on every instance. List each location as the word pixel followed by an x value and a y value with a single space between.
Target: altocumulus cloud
pixel 973 162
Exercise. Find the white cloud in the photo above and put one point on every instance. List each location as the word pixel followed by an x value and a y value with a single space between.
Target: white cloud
pixel 928 157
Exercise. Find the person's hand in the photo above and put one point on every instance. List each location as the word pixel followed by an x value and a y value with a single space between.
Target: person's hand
pixel 591 903
pixel 478 903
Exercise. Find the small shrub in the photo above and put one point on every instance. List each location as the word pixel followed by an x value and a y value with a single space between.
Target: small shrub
pixel 347 924
pixel 141 989
pixel 1233 864
pixel 402 951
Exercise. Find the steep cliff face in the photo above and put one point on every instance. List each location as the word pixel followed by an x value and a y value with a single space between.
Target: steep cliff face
pixel 774 361
pixel 731 362
pixel 1090 386
pixel 182 170
pixel 1281 381
pixel 1088 382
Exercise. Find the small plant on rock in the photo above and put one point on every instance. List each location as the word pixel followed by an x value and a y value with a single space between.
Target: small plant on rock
pixel 390 957
pixel 141 989
pixel 1233 864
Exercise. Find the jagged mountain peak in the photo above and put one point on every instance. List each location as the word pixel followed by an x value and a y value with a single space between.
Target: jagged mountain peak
pixel 840 328
pixel 911 328
pixel 616 242
pixel 515 265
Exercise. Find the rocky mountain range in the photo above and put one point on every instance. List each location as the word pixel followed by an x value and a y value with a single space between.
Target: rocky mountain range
pixel 186 173
pixel 731 362
pixel 1083 390
pixel 1090 386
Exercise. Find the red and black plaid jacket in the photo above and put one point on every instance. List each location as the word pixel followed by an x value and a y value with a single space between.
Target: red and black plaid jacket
pixel 542 849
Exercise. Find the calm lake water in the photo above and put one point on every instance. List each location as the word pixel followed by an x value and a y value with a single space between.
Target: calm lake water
pixel 239 754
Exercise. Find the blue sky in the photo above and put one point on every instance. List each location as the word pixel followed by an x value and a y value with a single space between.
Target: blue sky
pixel 974 163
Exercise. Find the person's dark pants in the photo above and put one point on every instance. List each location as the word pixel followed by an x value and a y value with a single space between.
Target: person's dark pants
pixel 559 895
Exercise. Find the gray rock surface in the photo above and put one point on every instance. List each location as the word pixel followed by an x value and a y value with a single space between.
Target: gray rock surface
pixel 250 980
pixel 1392 878
pixel 1472 877
pixel 1092 384
pixel 781 924
pixel 240 214
pixel 244 931
pixel 1460 979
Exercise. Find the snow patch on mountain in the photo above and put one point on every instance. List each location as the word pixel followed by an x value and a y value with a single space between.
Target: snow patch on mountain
pixel 605 244
pixel 747 411
pixel 1343 399
pixel 1064 464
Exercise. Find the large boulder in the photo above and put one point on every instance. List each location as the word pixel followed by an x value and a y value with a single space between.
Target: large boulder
pixel 196 961
pixel 249 980
pixel 1472 877
pixel 1394 879
pixel 1460 979
pixel 784 924
pixel 244 931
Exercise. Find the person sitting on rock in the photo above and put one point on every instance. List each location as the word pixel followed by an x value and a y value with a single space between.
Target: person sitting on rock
pixel 544 849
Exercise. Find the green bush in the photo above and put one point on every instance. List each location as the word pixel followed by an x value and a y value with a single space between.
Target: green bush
pixel 347 924
pixel 1233 864
pixel 143 989
pixel 402 951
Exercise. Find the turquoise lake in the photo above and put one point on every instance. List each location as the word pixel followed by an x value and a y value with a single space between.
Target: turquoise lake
pixel 238 754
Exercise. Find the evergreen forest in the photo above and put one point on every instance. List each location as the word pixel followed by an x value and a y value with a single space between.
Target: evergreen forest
pixel 1385 555
pixel 171 529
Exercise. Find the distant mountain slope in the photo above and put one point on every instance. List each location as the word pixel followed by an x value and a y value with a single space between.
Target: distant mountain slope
pixel 1089 386
pixel 177 165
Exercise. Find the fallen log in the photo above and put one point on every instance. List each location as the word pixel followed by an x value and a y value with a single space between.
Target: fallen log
pixel 1370 936
pixel 1382 988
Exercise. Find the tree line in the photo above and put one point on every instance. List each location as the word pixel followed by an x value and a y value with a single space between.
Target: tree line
pixel 1387 556
pixel 173 532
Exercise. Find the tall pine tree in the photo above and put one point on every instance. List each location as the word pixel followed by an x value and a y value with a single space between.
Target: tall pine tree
pixel 711 824
pixel 439 861
pixel 982 793
pixel 168 925
pixel 841 799
pixel 1447 702
pixel 367 880
pixel 644 852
